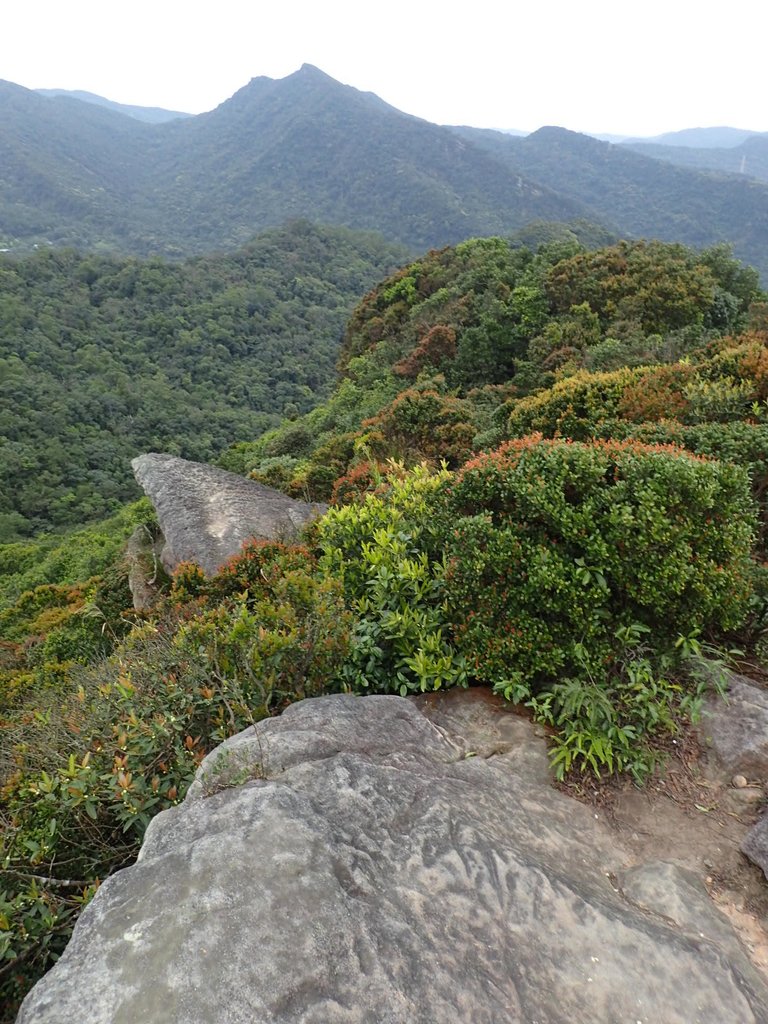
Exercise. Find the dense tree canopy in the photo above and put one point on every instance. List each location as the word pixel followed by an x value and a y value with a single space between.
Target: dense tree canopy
pixel 102 358
pixel 486 322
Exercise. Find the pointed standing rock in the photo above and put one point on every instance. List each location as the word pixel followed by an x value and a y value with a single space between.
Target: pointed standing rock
pixel 206 514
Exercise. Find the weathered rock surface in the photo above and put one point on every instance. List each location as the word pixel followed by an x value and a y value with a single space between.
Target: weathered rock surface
pixel 755 845
pixel 141 553
pixel 387 861
pixel 207 514
pixel 737 729
pixel 737 732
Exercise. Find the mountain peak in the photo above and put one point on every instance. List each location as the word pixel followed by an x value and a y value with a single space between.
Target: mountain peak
pixel 550 135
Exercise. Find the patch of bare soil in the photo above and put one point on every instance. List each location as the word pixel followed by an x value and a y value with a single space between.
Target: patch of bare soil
pixel 692 813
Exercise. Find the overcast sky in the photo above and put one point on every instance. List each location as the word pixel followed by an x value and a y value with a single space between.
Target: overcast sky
pixel 594 66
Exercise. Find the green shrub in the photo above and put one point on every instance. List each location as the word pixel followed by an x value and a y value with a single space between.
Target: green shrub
pixel 82 778
pixel 555 547
pixel 277 472
pixel 71 558
pixel 423 424
pixel 743 443
pixel 755 630
pixel 612 721
pixel 572 407
pixel 257 569
pixel 274 649
pixel 722 399
pixel 660 285
pixel 376 548
pixel 51 630
pixel 80 781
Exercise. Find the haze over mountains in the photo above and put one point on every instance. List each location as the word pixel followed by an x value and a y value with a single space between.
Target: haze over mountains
pixel 748 157
pixel 78 173
pixel 152 115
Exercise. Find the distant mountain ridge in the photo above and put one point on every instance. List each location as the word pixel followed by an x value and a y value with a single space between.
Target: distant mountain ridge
pixel 722 137
pixel 641 195
pixel 76 173
pixel 152 115
pixel 749 157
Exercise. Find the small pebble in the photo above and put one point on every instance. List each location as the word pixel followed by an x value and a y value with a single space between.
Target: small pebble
pixel 738 782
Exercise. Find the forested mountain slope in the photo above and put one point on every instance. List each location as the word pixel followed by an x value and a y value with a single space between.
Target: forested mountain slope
pixel 70 171
pixel 308 146
pixel 749 158
pixel 642 196
pixel 303 146
pixel 152 115
pixel 103 357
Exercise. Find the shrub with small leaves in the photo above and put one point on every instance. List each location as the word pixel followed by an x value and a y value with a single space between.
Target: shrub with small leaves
pixel 82 778
pixel 555 547
pixel 573 407
pixel 377 549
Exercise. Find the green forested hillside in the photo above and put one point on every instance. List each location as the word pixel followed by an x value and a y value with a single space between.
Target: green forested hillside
pixel 102 358
pixel 72 173
pixel 548 473
pixel 640 196
pixel 749 158
pixel 432 358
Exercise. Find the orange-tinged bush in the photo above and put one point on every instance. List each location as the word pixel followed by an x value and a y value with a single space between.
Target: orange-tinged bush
pixel 423 424
pixel 657 394
pixel 436 347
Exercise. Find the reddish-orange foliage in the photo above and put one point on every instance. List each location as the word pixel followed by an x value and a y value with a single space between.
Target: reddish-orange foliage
pixel 752 364
pixel 364 478
pixel 657 395
pixel 259 565
pixel 507 455
pixel 437 346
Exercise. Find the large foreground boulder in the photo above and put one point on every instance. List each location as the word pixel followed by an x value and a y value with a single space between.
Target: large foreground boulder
pixel 384 861
pixel 207 514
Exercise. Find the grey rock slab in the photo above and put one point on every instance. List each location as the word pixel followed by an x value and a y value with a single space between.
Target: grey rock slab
pixel 358 862
pixel 665 888
pixel 737 728
pixel 755 844
pixel 207 514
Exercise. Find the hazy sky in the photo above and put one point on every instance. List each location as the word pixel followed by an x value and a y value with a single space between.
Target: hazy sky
pixel 595 65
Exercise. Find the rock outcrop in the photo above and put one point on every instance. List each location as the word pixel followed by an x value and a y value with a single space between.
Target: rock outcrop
pixel 737 728
pixel 388 861
pixel 207 514
pixel 755 845
pixel 141 554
